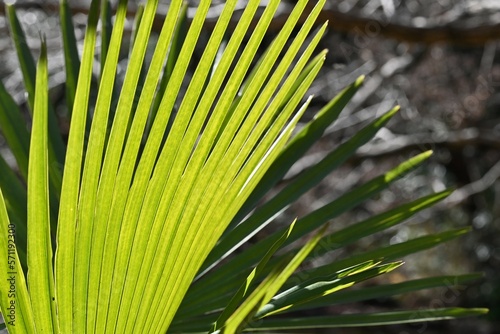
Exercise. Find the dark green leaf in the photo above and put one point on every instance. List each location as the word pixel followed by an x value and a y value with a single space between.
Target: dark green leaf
pixel 360 320
pixel 71 57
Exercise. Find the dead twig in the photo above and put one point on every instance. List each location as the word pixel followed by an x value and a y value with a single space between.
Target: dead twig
pixel 459 32
pixel 453 139
pixel 400 144
pixel 462 194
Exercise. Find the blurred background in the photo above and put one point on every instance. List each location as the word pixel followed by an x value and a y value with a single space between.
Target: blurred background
pixel 440 61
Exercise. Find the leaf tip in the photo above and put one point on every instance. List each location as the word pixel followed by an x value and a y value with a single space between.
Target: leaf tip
pixel 479 311
pixel 423 156
pixel 428 153
pixel 359 81
pixel 391 113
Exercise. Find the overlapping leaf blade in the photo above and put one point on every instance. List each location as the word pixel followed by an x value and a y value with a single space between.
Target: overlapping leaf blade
pixel 321 287
pixel 245 288
pixel 56 146
pixel 14 130
pixel 15 303
pixel 91 232
pixel 453 285
pixel 264 214
pixel 64 262
pixel 15 198
pixel 244 315
pixel 389 253
pixel 341 239
pixel 223 277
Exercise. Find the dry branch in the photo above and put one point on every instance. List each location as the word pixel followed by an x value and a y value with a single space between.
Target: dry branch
pixel 458 32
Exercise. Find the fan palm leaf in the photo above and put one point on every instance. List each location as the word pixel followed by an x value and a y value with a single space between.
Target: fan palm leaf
pixel 162 176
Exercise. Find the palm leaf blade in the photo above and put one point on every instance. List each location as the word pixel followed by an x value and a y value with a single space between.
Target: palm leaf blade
pixel 293 191
pixel 389 253
pixel 15 198
pixel 162 186
pixel 452 283
pixel 245 288
pixel 91 233
pixel 319 288
pixel 269 287
pixel 299 145
pixel 15 303
pixel 238 264
pixel 375 319
pixel 28 69
pixel 64 263
pixel 40 273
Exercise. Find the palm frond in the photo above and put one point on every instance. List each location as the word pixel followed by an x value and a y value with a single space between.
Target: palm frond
pixel 161 184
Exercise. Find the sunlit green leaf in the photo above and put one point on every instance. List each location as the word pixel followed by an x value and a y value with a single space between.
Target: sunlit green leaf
pixel 268 288
pixel 263 215
pixel 163 173
pixel 28 69
pixel 15 302
pixel 64 261
pixel 245 288
pixel 223 277
pixel 40 272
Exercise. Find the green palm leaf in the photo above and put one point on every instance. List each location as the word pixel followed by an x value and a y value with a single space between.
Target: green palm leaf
pixel 40 272
pixel 14 130
pixel 294 190
pixel 225 276
pixel 268 288
pixel 27 64
pixel 321 287
pixel 245 288
pixel 384 291
pixel 68 209
pixel 163 188
pixel 375 319
pixel 15 302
